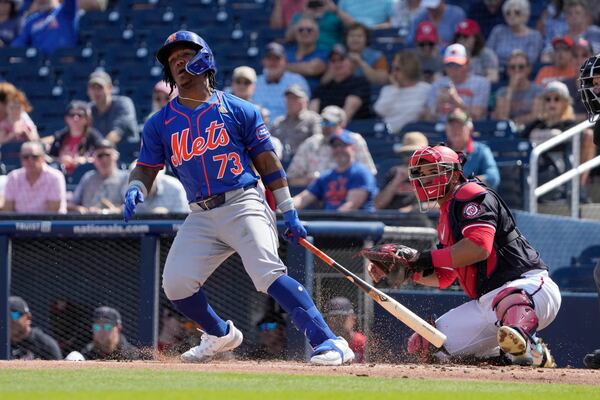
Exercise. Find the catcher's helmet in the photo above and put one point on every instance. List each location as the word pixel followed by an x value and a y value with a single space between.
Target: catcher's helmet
pixel 429 171
pixel 203 60
pixel 589 86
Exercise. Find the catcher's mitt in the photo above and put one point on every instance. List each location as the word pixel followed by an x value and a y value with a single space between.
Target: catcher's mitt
pixel 395 260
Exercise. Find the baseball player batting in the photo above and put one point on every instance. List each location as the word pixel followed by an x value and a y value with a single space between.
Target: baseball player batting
pixel 512 296
pixel 210 138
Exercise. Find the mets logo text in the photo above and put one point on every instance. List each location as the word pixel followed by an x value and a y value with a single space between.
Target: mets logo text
pixel 216 135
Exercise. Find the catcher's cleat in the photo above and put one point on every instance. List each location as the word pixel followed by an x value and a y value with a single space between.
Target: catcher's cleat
pixel 524 351
pixel 212 345
pixel 332 352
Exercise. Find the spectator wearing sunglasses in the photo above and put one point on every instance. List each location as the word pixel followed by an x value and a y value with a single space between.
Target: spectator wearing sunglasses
pixel 74 144
pixel 101 191
pixel 27 342
pixel 305 57
pixel 562 67
pixel 272 338
pixel 108 342
pixel 556 115
pixel 243 84
pixel 35 187
pixel 517 100
pixel 515 34
pixel 428 52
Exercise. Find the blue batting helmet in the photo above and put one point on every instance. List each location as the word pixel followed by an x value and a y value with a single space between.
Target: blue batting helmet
pixel 203 60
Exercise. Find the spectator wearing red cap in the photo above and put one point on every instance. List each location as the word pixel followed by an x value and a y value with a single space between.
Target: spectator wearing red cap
pixel 562 62
pixel 515 34
pixel 484 61
pixel 458 89
pixel 444 16
pixel 427 50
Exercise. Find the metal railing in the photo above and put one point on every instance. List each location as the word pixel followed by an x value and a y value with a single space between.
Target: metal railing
pixel 573 174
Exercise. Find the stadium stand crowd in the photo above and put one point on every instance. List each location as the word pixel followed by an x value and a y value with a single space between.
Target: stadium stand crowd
pixel 79 71
pixel 340 82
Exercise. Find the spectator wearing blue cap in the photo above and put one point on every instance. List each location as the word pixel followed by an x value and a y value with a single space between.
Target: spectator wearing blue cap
pixel 27 342
pixel 347 187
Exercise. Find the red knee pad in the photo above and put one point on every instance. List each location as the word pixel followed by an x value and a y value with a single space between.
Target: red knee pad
pixel 514 307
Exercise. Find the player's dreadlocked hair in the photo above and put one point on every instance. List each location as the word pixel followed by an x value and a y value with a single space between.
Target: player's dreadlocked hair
pixel 168 78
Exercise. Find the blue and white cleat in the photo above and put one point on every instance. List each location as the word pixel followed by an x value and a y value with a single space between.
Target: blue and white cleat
pixel 211 345
pixel 332 352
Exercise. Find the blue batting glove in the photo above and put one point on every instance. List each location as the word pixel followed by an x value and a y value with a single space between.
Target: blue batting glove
pixel 294 230
pixel 133 196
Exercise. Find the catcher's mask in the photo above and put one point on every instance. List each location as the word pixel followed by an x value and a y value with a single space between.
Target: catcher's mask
pixel 589 86
pixel 430 170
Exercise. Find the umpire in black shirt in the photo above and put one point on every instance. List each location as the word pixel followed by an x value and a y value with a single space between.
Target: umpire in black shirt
pixel 29 343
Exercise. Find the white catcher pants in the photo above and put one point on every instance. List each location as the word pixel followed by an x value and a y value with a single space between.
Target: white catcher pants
pixel 471 327
pixel 244 224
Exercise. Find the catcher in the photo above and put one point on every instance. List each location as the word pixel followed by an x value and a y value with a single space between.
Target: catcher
pixel 512 296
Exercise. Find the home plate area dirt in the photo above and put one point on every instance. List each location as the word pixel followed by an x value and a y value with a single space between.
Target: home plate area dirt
pixel 400 371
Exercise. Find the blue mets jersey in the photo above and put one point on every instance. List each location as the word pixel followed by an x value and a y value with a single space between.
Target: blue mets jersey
pixel 210 147
pixel 332 187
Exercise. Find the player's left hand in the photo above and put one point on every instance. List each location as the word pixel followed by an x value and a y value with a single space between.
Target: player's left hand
pixel 294 230
pixel 132 198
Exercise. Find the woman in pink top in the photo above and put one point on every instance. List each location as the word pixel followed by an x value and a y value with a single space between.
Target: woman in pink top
pixel 35 187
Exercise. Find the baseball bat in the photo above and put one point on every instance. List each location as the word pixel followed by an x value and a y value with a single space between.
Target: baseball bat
pixel 399 311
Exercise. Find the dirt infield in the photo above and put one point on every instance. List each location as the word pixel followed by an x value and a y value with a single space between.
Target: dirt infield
pixel 404 371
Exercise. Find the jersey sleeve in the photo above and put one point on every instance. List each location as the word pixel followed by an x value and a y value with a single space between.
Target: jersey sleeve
pixel 256 135
pixel 317 188
pixel 151 152
pixel 480 212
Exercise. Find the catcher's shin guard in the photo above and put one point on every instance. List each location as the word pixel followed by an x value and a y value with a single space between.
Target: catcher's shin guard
pixel 515 308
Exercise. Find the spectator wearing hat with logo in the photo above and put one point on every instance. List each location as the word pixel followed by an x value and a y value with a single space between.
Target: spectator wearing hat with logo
pixel 340 316
pixel 562 62
pixel 427 50
pixel 519 100
pixel 275 79
pixel 345 90
pixel 480 160
pixel 298 124
pixel 243 83
pixel 444 16
pixel 101 190
pixel 35 188
pixel 315 154
pixel 347 187
pixel 402 101
pixel 483 60
pixel 458 89
pixel 108 342
pixel 114 116
pixel 397 192
pixel 27 342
